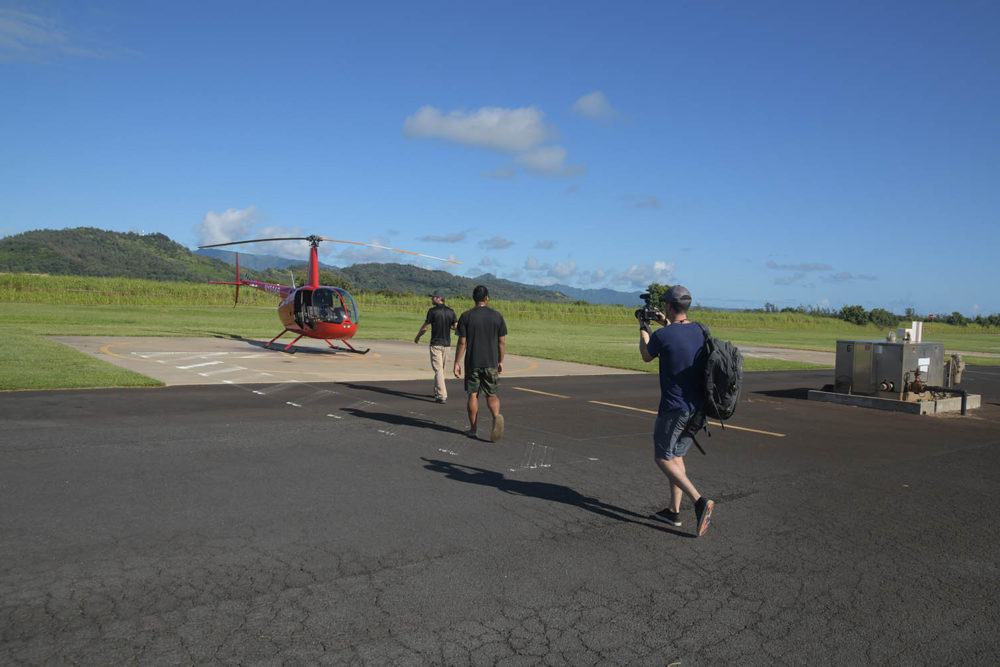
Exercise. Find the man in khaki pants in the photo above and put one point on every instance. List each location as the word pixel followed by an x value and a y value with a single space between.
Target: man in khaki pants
pixel 441 320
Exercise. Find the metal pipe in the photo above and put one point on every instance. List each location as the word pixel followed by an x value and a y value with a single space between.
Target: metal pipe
pixel 952 390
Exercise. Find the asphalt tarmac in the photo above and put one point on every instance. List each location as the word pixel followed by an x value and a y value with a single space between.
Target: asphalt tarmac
pixel 352 523
pixel 186 361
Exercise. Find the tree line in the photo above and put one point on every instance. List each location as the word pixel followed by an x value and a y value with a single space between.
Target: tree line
pixel 857 314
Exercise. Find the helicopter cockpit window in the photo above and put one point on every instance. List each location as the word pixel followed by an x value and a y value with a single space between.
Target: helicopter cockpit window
pixel 352 309
pixel 327 306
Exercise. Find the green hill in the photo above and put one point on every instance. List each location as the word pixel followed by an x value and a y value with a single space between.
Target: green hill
pixel 408 278
pixel 86 251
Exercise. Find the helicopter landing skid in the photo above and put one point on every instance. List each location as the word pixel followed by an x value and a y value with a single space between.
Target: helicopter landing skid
pixel 349 348
pixel 288 347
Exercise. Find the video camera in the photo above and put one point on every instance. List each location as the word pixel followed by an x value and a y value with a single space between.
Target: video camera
pixel 648 312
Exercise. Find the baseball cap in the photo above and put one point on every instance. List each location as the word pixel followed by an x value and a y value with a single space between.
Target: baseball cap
pixel 677 294
pixel 436 295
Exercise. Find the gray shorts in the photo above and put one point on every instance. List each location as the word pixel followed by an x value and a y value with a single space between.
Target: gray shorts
pixel 669 436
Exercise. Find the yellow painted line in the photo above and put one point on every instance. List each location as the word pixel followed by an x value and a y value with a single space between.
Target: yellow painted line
pixel 624 407
pixel 653 412
pixel 531 366
pixel 751 430
pixel 543 393
pixel 106 349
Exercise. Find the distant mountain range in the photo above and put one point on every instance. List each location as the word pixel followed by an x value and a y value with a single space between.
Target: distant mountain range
pixel 407 278
pixel 87 251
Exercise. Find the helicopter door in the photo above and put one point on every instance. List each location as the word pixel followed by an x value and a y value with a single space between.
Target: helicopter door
pixel 303 304
pixel 327 306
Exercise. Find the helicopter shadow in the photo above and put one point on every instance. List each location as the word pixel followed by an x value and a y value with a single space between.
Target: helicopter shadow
pixel 390 392
pixel 543 490
pixel 277 347
pixel 400 420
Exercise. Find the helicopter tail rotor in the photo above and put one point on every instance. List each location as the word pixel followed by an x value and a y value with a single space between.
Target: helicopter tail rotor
pixel 238 280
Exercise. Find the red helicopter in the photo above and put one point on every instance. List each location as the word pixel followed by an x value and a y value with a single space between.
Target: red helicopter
pixel 312 309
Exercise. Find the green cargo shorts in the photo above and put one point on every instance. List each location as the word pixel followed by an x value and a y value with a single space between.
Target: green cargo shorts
pixel 482 381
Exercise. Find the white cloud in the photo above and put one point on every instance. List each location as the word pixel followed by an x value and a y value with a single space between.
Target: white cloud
pixel 230 225
pixel 291 249
pixel 799 267
pixel 501 173
pixel 34 38
pixel 548 273
pixel 788 280
pixel 563 270
pixel 357 254
pixel 545 245
pixel 509 130
pixel 641 201
pixel 456 237
pixel 548 160
pixel 640 275
pixel 595 106
pixel 519 131
pixel 496 243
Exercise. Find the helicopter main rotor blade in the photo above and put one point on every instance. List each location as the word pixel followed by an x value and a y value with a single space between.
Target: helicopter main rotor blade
pixel 382 247
pixel 315 239
pixel 288 238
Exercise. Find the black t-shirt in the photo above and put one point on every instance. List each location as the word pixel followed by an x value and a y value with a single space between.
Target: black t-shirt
pixel 441 318
pixel 482 328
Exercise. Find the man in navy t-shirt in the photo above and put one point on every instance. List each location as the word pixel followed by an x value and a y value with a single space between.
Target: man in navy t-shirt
pixel 678 346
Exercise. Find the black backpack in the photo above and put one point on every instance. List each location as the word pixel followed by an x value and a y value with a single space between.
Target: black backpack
pixel 723 376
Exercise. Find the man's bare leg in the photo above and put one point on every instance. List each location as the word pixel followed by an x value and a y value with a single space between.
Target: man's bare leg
pixel 473 407
pixel 675 471
pixel 493 403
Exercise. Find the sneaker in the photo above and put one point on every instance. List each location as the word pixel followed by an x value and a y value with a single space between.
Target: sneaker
pixel 703 511
pixel 439 399
pixel 471 433
pixel 666 516
pixel 497 431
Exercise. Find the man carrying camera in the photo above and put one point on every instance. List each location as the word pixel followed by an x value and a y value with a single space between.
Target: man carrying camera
pixel 678 346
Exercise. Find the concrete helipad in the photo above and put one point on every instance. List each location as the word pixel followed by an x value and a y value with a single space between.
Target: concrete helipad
pixel 198 361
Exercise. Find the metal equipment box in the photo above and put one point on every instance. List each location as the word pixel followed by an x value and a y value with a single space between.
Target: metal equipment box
pixel 874 367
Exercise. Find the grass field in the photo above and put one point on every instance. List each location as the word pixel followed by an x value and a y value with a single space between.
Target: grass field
pixel 32 307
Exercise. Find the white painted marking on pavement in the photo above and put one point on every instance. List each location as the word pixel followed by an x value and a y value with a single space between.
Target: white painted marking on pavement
pixel 207 363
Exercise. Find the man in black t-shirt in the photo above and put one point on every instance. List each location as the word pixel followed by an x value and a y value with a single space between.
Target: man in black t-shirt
pixel 482 335
pixel 441 320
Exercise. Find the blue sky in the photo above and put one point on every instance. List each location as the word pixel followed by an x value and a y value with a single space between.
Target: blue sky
pixel 798 153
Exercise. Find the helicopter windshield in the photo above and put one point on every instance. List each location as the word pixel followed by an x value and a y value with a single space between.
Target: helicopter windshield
pixel 332 305
pixel 352 309
pixel 326 306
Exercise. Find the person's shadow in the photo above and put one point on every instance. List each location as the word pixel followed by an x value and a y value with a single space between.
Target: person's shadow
pixel 400 420
pixel 388 391
pixel 544 490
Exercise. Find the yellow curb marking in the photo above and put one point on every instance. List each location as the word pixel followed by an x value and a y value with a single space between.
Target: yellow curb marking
pixel 531 366
pixel 543 393
pixel 653 412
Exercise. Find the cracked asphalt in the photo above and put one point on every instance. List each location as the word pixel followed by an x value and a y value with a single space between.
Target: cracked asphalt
pixel 352 524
